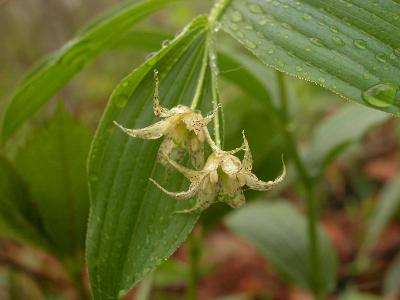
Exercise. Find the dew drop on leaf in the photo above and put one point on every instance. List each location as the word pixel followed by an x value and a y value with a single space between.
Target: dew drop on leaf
pixel 360 44
pixel 165 43
pixel 316 42
pixel 338 41
pixel 254 8
pixel 380 57
pixel 366 76
pixel 307 17
pixel 236 16
pixel 334 29
pixel 121 101
pixel 396 51
pixel 250 44
pixel 263 21
pixel 381 95
pixel 299 69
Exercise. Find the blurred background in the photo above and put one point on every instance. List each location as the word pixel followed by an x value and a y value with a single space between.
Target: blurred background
pixel 358 191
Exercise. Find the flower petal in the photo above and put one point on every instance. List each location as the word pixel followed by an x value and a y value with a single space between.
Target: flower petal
pixel 205 197
pixel 159 111
pixel 185 195
pixel 192 175
pixel 151 132
pixel 256 184
pixel 247 163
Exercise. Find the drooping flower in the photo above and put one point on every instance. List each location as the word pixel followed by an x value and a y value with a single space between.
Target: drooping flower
pixel 221 179
pixel 182 128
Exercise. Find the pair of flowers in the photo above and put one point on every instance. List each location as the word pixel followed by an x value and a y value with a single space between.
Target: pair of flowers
pixel 221 178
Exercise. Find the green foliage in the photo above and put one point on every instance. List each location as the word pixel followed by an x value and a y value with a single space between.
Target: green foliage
pixel 334 134
pixel 326 42
pixel 132 225
pixel 58 68
pixel 53 166
pixel 386 208
pixel 279 232
pixel 391 281
pixel 19 218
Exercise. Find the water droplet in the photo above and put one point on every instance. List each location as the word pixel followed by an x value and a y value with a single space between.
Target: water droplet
pixel 365 76
pixel 234 26
pixel 248 27
pixel 396 51
pixel 250 44
pixel 307 17
pixel 381 95
pixel 299 69
pixel 381 57
pixel 217 27
pixel 321 80
pixel 263 21
pixel 360 44
pixel 125 84
pixel 236 16
pixel 334 29
pixel 93 177
pixel 396 17
pixel 121 101
pixel 308 49
pixel 338 41
pixel 316 42
pixel 286 25
pixel 150 55
pixel 286 36
pixel 254 8
pixel 165 43
pixel 270 51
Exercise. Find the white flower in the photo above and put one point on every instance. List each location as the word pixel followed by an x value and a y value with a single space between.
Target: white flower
pixel 221 179
pixel 182 128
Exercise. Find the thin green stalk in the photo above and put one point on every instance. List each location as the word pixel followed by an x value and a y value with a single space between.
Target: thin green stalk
pixel 308 185
pixel 194 251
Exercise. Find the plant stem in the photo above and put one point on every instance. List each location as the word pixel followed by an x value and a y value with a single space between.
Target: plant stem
pixel 194 251
pixel 308 185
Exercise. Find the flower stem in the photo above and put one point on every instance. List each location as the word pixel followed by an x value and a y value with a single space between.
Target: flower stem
pixel 194 252
pixel 308 185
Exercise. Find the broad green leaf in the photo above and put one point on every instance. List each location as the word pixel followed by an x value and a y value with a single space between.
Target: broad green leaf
pixel 355 295
pixel 280 233
pixel 391 283
pixel 351 47
pixel 53 165
pixel 334 134
pixel 57 69
pixel 388 205
pixel 132 224
pixel 18 214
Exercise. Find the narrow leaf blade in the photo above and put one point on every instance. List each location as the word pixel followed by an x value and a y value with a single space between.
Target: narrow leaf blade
pixel 57 69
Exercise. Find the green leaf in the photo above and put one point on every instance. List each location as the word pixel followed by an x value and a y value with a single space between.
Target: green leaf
pixel 57 69
pixel 334 134
pixel 53 165
pixel 327 42
pixel 18 215
pixel 391 283
pixel 280 233
pixel 132 224
pixel 388 205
